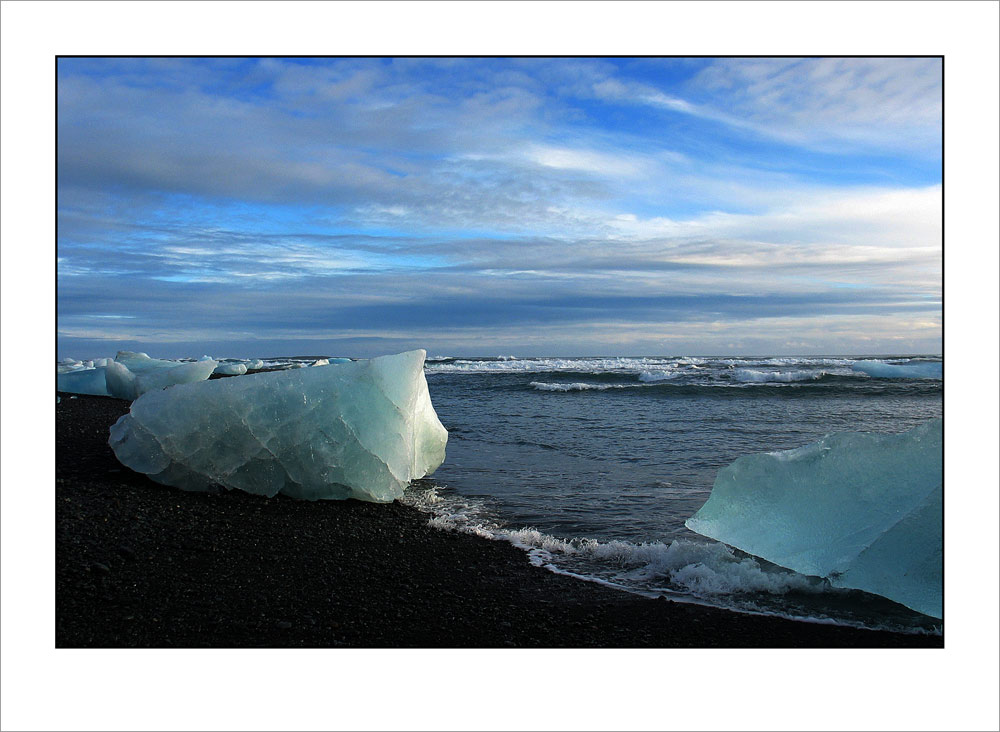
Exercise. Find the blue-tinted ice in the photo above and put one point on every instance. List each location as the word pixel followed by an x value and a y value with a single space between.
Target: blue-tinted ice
pixel 863 510
pixel 363 430
pixel 129 375
pixel 882 370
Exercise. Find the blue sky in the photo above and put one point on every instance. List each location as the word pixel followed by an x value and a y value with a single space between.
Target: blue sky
pixel 253 207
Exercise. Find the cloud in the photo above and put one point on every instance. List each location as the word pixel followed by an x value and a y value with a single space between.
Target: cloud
pixel 825 103
pixel 282 198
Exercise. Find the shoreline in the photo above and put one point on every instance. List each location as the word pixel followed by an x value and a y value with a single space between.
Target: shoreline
pixel 139 564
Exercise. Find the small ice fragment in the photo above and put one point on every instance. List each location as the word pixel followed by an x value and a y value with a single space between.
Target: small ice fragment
pixel 231 369
pixel 83 381
pixel 124 384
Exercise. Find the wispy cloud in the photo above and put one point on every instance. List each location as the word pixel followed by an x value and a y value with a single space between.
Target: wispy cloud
pixel 864 103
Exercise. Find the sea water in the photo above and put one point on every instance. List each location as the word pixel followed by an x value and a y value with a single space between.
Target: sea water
pixel 592 465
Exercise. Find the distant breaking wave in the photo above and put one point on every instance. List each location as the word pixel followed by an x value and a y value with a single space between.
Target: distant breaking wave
pixel 541 386
pixel 758 377
pixel 650 368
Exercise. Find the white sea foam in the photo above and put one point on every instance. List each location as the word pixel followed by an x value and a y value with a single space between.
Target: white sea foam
pixel 786 361
pixel 690 567
pixel 536 365
pixel 638 366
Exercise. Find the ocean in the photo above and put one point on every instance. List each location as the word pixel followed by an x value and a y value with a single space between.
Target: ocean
pixel 592 465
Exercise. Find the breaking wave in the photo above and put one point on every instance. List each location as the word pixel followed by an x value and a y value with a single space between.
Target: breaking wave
pixel 579 386
pixel 697 568
pixel 627 372
pixel 693 570
pixel 654 376
pixel 751 376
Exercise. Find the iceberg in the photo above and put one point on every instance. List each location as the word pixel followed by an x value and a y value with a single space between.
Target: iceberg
pixel 124 384
pixel 137 363
pixel 129 376
pixel 863 510
pixel 231 369
pixel 83 381
pixel 185 373
pixel 882 370
pixel 120 381
pixel 361 430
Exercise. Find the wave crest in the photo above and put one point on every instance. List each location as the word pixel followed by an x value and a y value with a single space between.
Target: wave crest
pixel 750 376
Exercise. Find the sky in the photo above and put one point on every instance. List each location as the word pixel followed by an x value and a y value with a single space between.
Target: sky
pixel 489 206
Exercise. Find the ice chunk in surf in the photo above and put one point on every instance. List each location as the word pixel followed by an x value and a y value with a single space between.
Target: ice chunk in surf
pixel 863 510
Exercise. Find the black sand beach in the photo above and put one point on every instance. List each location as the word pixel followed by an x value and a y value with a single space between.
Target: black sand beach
pixel 143 565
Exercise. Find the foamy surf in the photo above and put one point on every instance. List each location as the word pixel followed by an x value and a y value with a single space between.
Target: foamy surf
pixel 686 570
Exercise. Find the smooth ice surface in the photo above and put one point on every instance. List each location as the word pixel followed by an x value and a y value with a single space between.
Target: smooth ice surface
pixel 83 381
pixel 361 430
pixel 882 370
pixel 863 510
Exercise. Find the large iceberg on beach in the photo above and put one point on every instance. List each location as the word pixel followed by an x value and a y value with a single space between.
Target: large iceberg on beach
pixel 863 510
pixel 362 430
